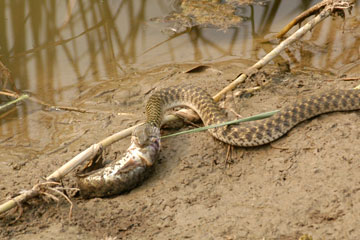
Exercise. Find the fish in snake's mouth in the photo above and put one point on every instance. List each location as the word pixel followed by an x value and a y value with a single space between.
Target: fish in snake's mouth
pixel 127 172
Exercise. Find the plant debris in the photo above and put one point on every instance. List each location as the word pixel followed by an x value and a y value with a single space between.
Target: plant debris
pixel 205 13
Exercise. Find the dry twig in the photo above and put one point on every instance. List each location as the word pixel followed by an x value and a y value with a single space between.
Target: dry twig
pixel 335 5
pixel 312 11
pixel 298 19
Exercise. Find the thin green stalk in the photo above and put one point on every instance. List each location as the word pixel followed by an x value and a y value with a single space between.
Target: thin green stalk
pixel 252 118
pixel 22 97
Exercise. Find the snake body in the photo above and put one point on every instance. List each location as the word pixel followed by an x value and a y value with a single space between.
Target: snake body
pixel 249 133
pixel 130 170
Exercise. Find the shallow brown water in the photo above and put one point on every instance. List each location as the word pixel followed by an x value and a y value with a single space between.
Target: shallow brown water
pixel 58 50
pixel 108 55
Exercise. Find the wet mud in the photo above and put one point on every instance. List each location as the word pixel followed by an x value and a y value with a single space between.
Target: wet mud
pixel 305 183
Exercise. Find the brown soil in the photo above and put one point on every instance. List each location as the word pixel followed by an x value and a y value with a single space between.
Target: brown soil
pixel 305 183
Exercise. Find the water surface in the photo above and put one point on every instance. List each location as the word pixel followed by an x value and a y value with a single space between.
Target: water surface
pixel 57 50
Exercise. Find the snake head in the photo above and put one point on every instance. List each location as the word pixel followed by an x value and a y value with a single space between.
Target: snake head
pixel 145 135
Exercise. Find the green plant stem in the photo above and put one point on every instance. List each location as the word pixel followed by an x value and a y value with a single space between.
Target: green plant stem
pixel 252 118
pixel 22 97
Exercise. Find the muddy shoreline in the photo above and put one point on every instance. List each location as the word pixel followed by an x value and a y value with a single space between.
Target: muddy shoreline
pixel 304 183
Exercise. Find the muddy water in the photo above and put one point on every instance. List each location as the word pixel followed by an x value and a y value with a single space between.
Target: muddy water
pixel 57 50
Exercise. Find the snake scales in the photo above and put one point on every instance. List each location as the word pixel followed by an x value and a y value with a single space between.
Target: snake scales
pixel 129 171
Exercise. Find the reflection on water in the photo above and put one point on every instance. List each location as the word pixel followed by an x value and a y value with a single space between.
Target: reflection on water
pixel 57 49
